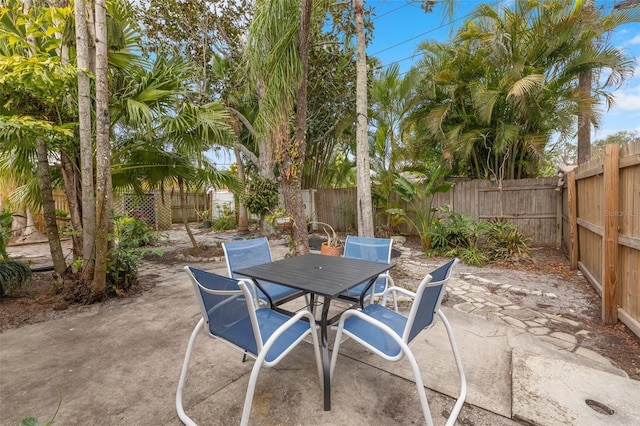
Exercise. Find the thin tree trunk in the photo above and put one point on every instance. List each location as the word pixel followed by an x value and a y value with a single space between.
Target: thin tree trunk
pixel 103 152
pixel 291 176
pixel 183 213
pixel 86 142
pixel 49 209
pixel 364 203
pixel 243 217
pixel 72 188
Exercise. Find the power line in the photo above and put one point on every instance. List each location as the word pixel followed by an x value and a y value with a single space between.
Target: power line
pixel 450 23
pixel 431 30
pixel 390 11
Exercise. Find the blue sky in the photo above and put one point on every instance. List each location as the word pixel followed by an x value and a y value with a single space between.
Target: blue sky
pixel 400 25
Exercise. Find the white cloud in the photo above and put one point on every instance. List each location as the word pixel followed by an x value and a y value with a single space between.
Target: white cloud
pixel 635 40
pixel 627 98
pixel 628 101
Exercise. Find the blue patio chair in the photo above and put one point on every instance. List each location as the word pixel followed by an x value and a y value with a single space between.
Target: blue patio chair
pixel 388 334
pixel 375 250
pixel 252 252
pixel 229 314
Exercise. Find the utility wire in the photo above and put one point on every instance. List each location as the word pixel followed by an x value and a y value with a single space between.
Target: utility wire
pixel 450 23
pixel 390 11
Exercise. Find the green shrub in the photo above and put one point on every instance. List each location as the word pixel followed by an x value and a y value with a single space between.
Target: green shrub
pixel 504 240
pixel 133 235
pixel 13 275
pixel 122 268
pixel 226 218
pixel 6 218
pixel 261 195
pixel 476 242
pixel 132 232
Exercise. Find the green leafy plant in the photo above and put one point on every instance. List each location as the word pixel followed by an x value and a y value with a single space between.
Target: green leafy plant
pixel 204 215
pixel 122 268
pixel 13 275
pixel 6 218
pixel 61 213
pixel 419 195
pixel 505 240
pixel 261 196
pixel 134 236
pixel 132 232
pixel 476 242
pixel 472 256
pixel 226 218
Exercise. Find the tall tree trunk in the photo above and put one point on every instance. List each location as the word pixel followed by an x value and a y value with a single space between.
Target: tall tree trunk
pixel 291 170
pixel 364 203
pixel 243 217
pixel 49 209
pixel 584 117
pixel 73 191
pixel 183 212
pixel 86 142
pixel 103 153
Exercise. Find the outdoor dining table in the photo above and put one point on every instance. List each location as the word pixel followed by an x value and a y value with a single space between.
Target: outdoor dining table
pixel 320 276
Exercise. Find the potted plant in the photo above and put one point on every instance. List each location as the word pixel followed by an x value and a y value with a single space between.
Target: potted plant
pixel 333 245
pixel 205 217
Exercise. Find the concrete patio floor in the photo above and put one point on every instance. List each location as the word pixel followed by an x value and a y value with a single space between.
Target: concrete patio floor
pixel 119 364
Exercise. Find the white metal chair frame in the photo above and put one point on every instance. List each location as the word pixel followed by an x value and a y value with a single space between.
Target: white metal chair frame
pixel 247 291
pixel 405 336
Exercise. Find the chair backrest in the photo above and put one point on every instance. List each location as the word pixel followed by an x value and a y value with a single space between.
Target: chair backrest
pixel 227 308
pixel 427 301
pixel 245 253
pixel 367 248
pixel 373 249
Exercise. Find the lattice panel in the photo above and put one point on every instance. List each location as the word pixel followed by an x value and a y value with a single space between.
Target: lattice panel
pixel 148 207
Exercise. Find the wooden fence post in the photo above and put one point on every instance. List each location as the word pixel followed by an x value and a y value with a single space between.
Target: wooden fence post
pixel 559 219
pixel 572 204
pixel 610 239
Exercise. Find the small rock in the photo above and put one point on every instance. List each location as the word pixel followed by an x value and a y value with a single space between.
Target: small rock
pixel 61 305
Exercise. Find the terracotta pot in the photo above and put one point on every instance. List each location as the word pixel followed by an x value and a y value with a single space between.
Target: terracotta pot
pixel 330 251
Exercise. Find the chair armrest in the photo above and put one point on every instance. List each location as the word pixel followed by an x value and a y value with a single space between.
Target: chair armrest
pixel 284 327
pixel 398 290
pixel 375 323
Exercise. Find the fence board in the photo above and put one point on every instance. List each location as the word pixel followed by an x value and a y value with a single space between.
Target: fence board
pixel 195 202
pixel 616 218
pixel 337 207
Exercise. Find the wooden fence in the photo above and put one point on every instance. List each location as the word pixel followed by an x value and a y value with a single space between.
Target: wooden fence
pixel 602 204
pixel 531 204
pixel 196 202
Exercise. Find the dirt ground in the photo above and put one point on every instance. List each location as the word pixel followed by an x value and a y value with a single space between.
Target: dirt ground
pixel 547 271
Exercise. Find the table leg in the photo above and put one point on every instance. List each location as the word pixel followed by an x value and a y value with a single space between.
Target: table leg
pixel 325 353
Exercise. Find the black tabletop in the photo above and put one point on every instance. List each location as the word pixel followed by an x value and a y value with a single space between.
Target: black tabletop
pixel 316 273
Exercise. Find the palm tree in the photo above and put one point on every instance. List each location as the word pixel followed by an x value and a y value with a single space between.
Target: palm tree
pixel 33 74
pixel 392 98
pixel 278 59
pixel 506 83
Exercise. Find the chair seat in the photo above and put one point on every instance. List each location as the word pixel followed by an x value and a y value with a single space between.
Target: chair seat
pixel 241 333
pixel 355 292
pixel 278 292
pixel 361 330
